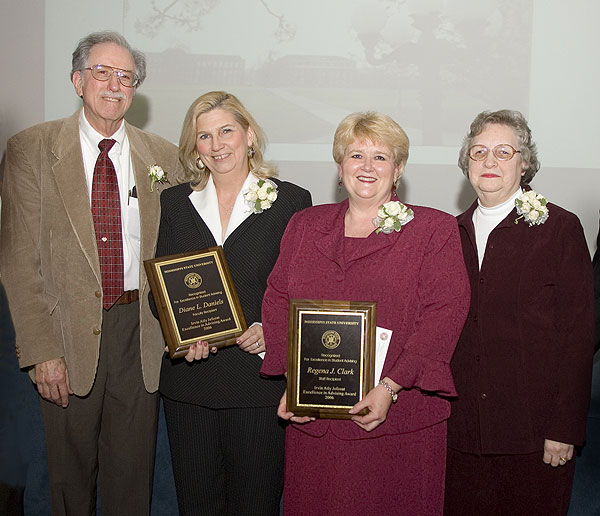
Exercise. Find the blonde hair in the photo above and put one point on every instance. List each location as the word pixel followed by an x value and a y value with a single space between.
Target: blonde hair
pixel 376 127
pixel 188 154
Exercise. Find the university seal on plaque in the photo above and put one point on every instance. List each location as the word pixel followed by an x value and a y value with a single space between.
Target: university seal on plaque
pixel 331 339
pixel 193 280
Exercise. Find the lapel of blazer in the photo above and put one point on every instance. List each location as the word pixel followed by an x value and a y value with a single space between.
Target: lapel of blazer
pixel 466 221
pixel 148 202
pixel 243 228
pixel 331 242
pixel 265 219
pixel 206 237
pixel 70 178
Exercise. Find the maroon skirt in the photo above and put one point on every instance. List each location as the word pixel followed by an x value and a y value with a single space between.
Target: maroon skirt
pixel 400 474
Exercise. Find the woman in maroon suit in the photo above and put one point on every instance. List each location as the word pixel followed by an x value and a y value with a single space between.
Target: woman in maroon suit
pixel 522 366
pixel 391 460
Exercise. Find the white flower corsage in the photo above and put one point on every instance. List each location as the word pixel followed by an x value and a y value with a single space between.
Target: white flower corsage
pixel 531 207
pixel 392 216
pixel 261 195
pixel 156 175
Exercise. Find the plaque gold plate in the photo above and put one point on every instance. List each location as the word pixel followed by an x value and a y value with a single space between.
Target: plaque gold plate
pixel 331 356
pixel 196 299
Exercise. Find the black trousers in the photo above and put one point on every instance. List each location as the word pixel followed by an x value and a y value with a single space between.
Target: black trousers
pixel 506 485
pixel 226 462
pixel 108 435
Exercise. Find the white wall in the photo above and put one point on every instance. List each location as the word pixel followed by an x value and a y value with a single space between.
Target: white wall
pixel 21 66
pixel 301 66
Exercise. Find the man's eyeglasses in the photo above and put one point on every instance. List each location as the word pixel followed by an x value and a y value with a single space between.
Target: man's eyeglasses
pixel 503 152
pixel 103 73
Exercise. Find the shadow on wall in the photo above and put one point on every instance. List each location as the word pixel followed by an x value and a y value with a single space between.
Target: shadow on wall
pixel 465 197
pixel 402 191
pixel 21 439
pixel 139 112
pixel 2 163
pixel 585 498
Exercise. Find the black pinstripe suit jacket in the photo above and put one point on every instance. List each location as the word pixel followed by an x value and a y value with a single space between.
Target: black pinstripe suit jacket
pixel 230 378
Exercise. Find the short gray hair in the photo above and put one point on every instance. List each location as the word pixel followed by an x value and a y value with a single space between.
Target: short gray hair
pixel 82 52
pixel 517 122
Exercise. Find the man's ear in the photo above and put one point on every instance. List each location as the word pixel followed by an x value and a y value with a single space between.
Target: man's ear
pixel 77 81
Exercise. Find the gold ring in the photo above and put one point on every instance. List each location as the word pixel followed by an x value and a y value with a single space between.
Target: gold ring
pixel 563 460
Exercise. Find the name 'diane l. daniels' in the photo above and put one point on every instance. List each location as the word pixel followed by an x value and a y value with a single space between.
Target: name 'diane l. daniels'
pixel 206 304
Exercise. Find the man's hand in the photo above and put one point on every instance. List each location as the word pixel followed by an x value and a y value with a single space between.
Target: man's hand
pixel 52 380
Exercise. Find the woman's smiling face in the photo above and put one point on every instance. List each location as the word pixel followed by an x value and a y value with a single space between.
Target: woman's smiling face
pixel 222 143
pixel 368 171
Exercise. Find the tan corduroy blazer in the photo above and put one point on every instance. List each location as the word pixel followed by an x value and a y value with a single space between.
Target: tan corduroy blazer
pixel 48 255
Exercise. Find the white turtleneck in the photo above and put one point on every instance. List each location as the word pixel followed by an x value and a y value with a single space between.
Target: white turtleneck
pixel 486 219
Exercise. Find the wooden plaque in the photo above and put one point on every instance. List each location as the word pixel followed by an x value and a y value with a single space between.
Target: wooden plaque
pixel 331 356
pixel 196 299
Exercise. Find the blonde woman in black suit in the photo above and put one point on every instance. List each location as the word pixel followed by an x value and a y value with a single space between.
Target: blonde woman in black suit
pixel 225 438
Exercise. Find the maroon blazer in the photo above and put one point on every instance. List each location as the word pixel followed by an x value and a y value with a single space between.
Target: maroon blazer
pixel 523 364
pixel 418 280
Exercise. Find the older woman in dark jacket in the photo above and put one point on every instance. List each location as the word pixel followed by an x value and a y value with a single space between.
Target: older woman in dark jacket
pixel 522 365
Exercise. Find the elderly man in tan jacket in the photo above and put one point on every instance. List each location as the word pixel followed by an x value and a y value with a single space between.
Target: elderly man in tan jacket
pixel 79 216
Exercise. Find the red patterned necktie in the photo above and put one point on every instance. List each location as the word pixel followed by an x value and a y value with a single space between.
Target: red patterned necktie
pixel 106 211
